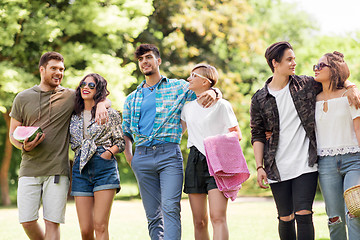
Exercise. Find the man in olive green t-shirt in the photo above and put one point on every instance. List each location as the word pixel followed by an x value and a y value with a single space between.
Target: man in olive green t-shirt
pixel 44 169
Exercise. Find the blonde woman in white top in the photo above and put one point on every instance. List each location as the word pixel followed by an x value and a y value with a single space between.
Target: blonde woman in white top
pixel 338 138
pixel 201 122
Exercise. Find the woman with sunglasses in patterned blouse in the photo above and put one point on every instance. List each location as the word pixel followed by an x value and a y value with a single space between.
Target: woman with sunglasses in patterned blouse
pixel 95 175
pixel 338 138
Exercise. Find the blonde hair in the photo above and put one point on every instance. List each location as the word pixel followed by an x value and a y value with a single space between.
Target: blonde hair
pixel 208 71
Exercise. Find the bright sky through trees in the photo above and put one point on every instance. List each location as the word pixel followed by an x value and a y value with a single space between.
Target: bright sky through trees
pixel 334 16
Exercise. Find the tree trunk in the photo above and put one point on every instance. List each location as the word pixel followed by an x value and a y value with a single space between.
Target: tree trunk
pixel 4 184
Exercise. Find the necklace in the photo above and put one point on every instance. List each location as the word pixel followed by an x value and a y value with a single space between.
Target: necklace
pixel 151 88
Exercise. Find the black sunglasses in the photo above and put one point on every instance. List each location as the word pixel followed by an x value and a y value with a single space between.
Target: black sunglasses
pixel 320 66
pixel 90 84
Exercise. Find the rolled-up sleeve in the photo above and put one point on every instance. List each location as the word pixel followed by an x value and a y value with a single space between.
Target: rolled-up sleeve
pixel 256 122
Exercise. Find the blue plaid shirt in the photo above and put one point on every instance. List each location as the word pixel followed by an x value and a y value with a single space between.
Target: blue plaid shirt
pixel 171 95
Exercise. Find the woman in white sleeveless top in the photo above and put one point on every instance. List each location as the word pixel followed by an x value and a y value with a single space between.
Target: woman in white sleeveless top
pixel 338 138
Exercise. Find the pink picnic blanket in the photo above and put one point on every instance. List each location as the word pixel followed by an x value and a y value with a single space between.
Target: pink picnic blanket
pixel 226 163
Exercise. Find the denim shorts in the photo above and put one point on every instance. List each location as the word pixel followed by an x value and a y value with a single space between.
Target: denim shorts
pixel 98 174
pixel 197 177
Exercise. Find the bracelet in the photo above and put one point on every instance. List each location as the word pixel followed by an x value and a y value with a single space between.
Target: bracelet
pixel 257 169
pixel 22 147
pixel 110 152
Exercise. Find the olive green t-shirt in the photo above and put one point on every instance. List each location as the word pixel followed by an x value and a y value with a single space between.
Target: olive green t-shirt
pixel 51 111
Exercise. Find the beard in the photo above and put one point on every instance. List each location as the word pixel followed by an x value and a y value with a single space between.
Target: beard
pixel 49 81
pixel 149 73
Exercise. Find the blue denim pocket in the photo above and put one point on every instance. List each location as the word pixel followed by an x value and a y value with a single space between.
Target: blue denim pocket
pixel 100 150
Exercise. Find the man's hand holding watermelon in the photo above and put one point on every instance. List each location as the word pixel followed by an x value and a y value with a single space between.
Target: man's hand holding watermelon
pixel 28 146
pixel 25 138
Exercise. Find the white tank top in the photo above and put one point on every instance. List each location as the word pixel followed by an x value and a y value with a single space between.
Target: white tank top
pixel 335 128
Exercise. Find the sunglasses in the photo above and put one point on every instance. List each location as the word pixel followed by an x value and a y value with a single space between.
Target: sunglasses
pixel 90 84
pixel 194 74
pixel 320 66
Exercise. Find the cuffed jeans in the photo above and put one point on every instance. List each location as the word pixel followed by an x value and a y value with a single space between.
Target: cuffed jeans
pixel 336 174
pixel 159 173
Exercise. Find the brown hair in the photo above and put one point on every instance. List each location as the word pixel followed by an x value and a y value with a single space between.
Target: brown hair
pixel 208 71
pixel 46 57
pixel 144 48
pixel 339 70
pixel 276 51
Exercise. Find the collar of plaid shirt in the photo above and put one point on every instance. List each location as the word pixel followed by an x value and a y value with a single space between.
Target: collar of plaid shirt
pixel 171 95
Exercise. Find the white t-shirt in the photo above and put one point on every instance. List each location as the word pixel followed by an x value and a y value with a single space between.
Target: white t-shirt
pixel 292 153
pixel 335 128
pixel 205 122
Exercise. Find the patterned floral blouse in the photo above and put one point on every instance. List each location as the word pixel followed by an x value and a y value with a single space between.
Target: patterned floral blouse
pixel 105 135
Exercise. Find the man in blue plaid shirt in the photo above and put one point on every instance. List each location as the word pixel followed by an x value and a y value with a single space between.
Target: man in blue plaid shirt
pixel 151 119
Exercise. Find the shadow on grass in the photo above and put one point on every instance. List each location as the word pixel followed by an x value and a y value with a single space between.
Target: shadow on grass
pixel 12 206
pixel 127 197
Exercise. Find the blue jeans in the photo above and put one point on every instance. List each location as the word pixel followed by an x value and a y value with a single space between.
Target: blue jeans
pixel 336 174
pixel 159 173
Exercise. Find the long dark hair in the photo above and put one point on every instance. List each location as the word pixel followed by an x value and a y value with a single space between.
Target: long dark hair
pixel 100 95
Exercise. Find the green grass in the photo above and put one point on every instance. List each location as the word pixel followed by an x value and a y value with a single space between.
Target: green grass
pixel 248 218
pixel 253 218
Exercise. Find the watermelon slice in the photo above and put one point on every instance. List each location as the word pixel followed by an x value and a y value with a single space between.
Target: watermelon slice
pixel 22 132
